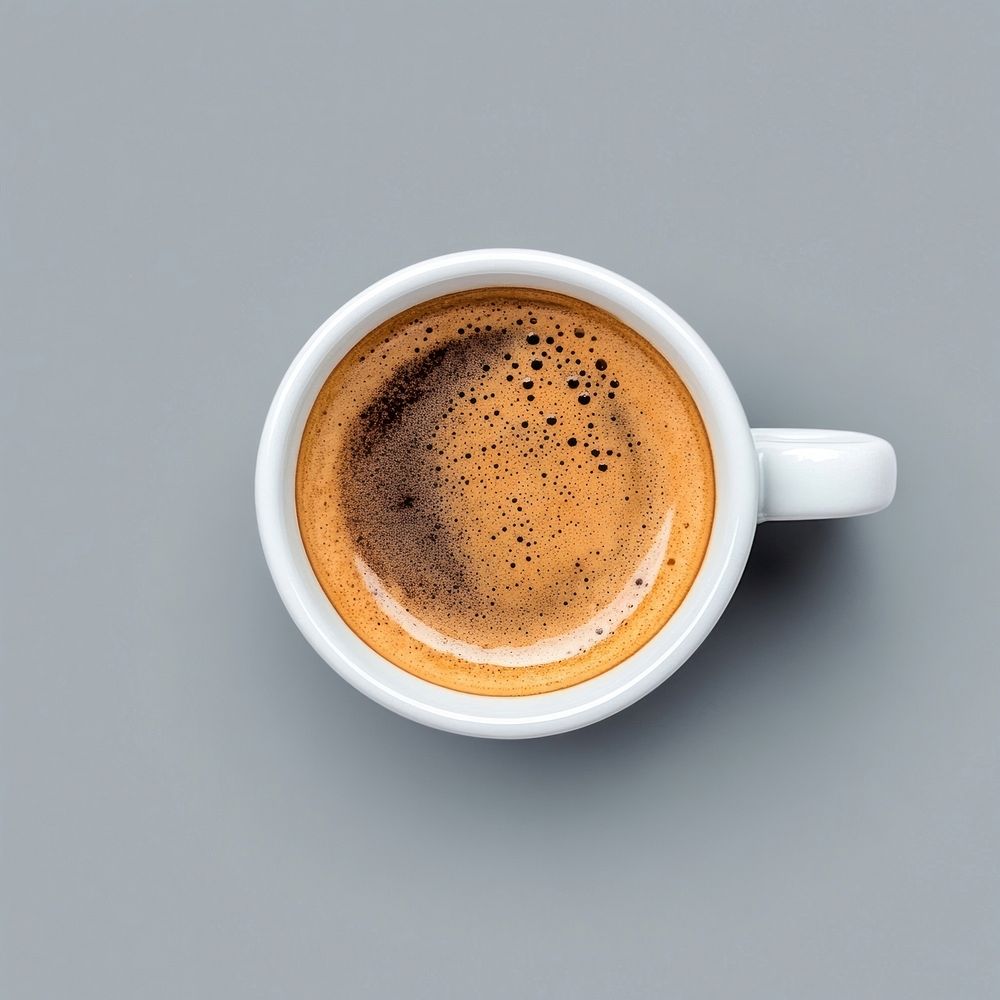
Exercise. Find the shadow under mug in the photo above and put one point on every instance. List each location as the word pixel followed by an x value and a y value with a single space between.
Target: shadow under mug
pixel 768 474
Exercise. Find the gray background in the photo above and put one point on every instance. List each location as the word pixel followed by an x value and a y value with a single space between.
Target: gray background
pixel 193 804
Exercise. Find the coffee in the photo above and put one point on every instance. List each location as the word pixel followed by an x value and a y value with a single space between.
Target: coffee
pixel 505 491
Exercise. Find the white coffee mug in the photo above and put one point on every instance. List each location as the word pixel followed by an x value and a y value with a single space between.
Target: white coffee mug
pixel 760 475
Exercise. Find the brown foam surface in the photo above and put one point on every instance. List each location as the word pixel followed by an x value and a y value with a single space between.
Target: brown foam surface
pixel 505 491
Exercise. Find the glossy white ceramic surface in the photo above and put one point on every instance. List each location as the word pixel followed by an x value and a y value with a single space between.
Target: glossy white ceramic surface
pixel 814 474
pixel 740 499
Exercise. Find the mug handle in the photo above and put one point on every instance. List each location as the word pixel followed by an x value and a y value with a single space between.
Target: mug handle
pixel 807 474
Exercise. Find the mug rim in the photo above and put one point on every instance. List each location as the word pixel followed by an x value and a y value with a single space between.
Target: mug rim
pixel 736 480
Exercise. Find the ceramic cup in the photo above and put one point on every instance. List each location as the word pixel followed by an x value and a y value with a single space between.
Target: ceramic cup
pixel 761 475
